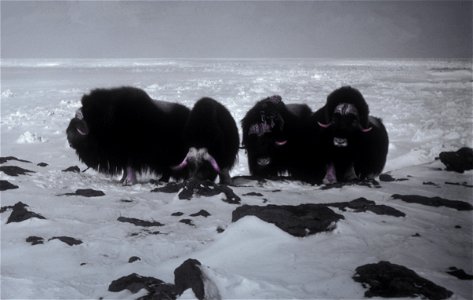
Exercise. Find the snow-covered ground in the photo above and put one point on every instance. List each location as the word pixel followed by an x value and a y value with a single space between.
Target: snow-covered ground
pixel 426 106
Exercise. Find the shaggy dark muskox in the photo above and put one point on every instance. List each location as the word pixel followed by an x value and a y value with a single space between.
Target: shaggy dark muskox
pixel 274 136
pixel 211 136
pixel 355 144
pixel 123 130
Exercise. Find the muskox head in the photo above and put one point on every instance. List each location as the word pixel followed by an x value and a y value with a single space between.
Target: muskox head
pixel 346 115
pixel 264 129
pixel 200 164
pixel 78 130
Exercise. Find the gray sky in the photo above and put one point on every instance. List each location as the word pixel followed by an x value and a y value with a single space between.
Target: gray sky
pixel 265 29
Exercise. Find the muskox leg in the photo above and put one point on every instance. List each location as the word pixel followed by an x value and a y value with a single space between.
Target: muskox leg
pixel 129 176
pixel 224 176
pixel 330 176
pixel 350 174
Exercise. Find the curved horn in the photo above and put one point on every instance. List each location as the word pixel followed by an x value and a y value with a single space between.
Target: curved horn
pixel 281 143
pixel 366 129
pixel 324 125
pixel 212 161
pixel 180 166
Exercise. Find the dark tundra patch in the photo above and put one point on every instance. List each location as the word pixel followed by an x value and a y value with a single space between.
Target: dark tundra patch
pixel 385 279
pixel 35 240
pixel 458 161
pixel 67 240
pixel 139 222
pixel 7 158
pixel 388 178
pixel 6 185
pixel 202 213
pixel 465 184
pixel 187 222
pixel 459 273
pixel 362 205
pixel 14 170
pixel 434 201
pixel 73 169
pixel 205 188
pixel 85 193
pixel 253 194
pixel 42 164
pixel 133 259
pixel 20 213
pixel 300 221
pixel 157 288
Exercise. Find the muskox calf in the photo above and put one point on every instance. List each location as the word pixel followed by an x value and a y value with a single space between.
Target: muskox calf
pixel 355 144
pixel 212 140
pixel 122 130
pixel 274 136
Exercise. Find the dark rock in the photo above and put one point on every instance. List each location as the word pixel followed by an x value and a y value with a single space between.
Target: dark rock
pixel 386 178
pixel 465 184
pixel 220 229
pixel 42 164
pixel 458 161
pixel 458 227
pixel 83 264
pixel 35 240
pixel 202 213
pixel 362 205
pixel 459 273
pixel 139 222
pixel 133 259
pixel 6 185
pixel 67 239
pixel 434 201
pixel 177 214
pixel 171 187
pixel 301 220
pixel 390 280
pixel 134 283
pixel 14 170
pixel 187 221
pixel 416 235
pixel 126 200
pixel 85 193
pixel 207 189
pixel 430 183
pixel 371 183
pixel 275 191
pixel 73 169
pixel 20 213
pixel 188 275
pixel 253 194
pixel 7 158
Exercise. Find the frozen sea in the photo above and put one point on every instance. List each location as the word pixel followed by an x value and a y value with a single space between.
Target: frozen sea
pixel 427 108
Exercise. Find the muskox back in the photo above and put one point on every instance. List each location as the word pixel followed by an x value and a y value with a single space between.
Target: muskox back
pixel 126 129
pixel 211 135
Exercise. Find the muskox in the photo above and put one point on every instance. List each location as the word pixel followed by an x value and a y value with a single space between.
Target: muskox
pixel 355 144
pixel 275 138
pixel 212 140
pixel 122 130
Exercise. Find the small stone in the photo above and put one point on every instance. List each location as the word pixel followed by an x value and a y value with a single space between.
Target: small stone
pixel 133 259
pixel 73 169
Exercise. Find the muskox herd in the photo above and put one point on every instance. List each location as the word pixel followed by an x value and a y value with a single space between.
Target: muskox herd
pixel 124 131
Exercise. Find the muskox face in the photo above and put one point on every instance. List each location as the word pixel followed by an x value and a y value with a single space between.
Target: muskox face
pixel 200 164
pixel 266 134
pixel 345 124
pixel 78 130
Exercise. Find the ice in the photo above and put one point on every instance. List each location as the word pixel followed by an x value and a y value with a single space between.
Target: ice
pixel 426 106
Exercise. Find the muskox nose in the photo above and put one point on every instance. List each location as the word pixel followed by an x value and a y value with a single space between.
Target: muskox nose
pixel 340 142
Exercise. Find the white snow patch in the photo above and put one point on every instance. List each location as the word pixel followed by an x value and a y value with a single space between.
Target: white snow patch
pixel 30 138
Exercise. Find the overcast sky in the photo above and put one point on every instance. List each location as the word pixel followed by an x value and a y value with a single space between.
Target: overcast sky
pixel 226 29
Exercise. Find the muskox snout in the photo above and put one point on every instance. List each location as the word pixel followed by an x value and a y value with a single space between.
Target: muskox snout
pixel 76 131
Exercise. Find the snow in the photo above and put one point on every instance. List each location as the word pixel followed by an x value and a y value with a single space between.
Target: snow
pixel 426 106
